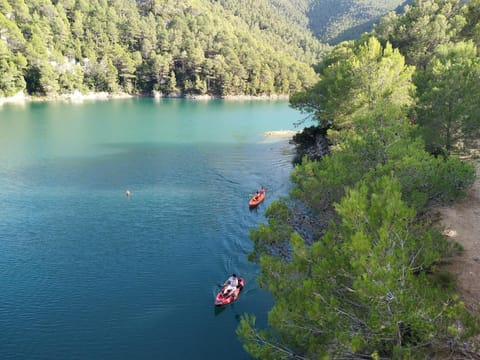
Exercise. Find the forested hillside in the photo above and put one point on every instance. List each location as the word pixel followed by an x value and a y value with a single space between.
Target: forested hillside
pixel 215 47
pixel 281 23
pixel 180 47
pixel 333 21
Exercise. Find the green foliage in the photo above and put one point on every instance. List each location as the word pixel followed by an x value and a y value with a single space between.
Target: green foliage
pixel 285 36
pixel 382 145
pixel 12 62
pixel 319 184
pixel 422 28
pixel 362 289
pixel 449 90
pixel 11 68
pixel 425 179
pixel 380 138
pixel 273 239
pixel 472 16
pixel 354 80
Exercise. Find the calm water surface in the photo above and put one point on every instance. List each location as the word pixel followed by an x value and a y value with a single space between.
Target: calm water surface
pixel 87 273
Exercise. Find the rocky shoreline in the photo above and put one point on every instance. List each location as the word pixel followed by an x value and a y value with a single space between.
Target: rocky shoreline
pixel 77 96
pixel 159 95
pixel 310 142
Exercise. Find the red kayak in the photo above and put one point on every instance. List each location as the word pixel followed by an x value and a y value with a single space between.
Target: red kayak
pixel 258 197
pixel 221 300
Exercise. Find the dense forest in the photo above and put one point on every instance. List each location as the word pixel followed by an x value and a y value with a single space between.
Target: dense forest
pixel 333 21
pixel 352 257
pixel 214 47
pixel 173 47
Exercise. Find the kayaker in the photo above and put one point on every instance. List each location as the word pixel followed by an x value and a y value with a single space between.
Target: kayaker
pixel 230 285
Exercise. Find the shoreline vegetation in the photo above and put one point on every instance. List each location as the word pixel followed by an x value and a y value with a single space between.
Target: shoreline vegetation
pixel 77 96
pixel 358 273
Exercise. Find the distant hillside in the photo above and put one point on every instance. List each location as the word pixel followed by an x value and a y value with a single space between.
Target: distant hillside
pixel 330 21
pixel 284 24
pixel 333 21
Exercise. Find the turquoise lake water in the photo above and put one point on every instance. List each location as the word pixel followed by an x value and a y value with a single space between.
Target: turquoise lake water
pixel 88 273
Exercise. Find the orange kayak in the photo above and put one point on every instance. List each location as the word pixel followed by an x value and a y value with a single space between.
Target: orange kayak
pixel 221 299
pixel 258 197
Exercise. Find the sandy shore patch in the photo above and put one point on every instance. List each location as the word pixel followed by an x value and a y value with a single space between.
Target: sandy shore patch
pixel 461 222
pixel 280 133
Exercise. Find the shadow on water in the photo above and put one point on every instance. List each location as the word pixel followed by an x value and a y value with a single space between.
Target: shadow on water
pixel 217 310
pixel 254 208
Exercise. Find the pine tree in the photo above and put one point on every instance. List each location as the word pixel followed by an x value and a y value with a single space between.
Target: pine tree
pixel 448 91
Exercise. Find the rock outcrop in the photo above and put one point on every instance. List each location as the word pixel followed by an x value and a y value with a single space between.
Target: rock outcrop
pixel 311 142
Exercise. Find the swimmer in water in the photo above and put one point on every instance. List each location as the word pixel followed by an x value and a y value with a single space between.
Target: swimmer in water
pixel 127 193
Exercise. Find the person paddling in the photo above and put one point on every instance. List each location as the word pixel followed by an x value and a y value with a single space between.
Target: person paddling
pixel 230 285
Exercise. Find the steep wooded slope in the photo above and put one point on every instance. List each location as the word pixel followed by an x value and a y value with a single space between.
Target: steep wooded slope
pixel 182 47
pixel 333 21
